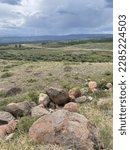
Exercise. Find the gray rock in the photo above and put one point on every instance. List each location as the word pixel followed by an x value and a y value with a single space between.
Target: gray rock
pixel 58 96
pixel 20 109
pixel 81 99
pixel 39 111
pixel 5 117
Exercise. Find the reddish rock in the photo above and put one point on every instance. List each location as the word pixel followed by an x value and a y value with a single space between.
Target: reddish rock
pixel 71 106
pixel 74 93
pixel 8 128
pixel 92 85
pixel 58 96
pixel 67 129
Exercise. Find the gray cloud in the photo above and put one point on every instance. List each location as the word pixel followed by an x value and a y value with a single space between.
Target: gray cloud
pixel 12 2
pixel 109 3
pixel 57 17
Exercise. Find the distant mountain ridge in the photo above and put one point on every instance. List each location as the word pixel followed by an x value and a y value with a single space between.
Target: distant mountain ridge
pixel 4 40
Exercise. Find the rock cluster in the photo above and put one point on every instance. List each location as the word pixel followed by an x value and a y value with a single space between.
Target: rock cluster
pixel 58 123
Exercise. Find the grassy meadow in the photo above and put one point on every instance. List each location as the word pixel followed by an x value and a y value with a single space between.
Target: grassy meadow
pixel 33 67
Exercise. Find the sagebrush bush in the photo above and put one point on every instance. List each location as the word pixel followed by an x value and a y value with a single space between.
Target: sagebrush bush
pixel 6 75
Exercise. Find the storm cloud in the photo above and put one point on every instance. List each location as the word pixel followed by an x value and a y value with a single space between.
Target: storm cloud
pixel 57 17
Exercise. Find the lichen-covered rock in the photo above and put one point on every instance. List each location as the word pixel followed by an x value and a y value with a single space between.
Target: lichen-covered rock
pixel 67 129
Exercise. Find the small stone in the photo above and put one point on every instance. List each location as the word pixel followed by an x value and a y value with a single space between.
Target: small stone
pixel 71 106
pixel 109 85
pixel 92 85
pixel 44 99
pixel 81 99
pixel 74 93
pixel 39 111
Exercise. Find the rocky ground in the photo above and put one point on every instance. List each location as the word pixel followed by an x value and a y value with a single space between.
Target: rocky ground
pixel 56 96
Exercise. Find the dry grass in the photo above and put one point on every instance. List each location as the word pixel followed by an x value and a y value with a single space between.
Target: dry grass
pixel 23 143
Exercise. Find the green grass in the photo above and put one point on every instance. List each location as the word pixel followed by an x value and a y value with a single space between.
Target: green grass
pixel 73 51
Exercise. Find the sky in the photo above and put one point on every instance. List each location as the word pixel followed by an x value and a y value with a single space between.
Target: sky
pixel 55 17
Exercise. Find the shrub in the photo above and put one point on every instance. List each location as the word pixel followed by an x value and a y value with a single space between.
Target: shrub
pixel 6 75
pixel 25 123
pixel 68 68
pixel 33 96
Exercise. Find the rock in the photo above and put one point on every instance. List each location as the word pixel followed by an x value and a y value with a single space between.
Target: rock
pixel 67 129
pixel 8 128
pixel 109 85
pixel 5 117
pixel 90 98
pixel 13 91
pixel 39 111
pixel 58 96
pixel 20 109
pixel 74 93
pixel 92 85
pixel 81 99
pixel 44 99
pixel 71 106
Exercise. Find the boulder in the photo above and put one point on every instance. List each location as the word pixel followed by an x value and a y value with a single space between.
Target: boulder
pixel 39 111
pixel 58 96
pixel 74 93
pixel 8 128
pixel 68 129
pixel 20 109
pixel 92 85
pixel 5 117
pixel 71 106
pixel 44 99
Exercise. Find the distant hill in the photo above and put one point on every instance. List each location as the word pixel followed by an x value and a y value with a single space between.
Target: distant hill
pixel 53 38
